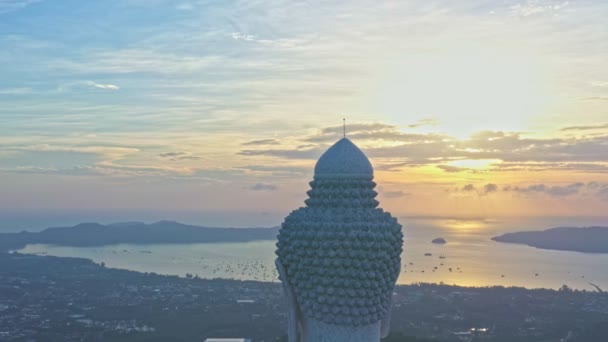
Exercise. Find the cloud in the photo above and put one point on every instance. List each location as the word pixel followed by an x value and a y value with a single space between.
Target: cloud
pixel 588 167
pixel 87 84
pixel 372 132
pixel 468 188
pixel 71 171
pixel 597 189
pixel 136 60
pixel 263 187
pixel 173 156
pixel 102 86
pixel 538 7
pixel 584 128
pixel 599 83
pixel 353 130
pixel 395 194
pixel 603 193
pixel 451 169
pixel 553 191
pixel 567 190
pixel 472 188
pixel 242 36
pixel 392 167
pixel 601 189
pixel 14 5
pixel 423 122
pixel 261 142
pixel 489 188
pixel 100 169
pixel 277 43
pixel 85 160
pixel 16 91
pixel 594 98
pixel 511 151
pixel 308 153
pixel 277 170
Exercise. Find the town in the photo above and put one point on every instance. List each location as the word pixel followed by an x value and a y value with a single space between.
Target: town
pixel 46 298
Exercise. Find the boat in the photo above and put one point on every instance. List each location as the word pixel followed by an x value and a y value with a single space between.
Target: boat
pixel 428 254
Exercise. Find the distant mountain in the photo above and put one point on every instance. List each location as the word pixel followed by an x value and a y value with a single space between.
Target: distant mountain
pixel 95 234
pixel 587 240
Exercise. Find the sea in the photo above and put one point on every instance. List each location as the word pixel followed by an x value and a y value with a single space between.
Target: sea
pixel 469 258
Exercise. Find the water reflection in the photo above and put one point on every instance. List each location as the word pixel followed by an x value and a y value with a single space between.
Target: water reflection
pixel 468 258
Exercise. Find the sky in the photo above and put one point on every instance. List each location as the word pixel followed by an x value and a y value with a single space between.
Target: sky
pixel 465 108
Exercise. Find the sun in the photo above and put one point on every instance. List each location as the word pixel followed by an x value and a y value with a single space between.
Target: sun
pixel 466 90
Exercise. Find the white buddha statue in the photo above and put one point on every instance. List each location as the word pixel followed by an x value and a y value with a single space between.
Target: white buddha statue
pixel 340 256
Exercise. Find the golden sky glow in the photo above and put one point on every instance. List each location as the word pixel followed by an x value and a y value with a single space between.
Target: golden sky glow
pixel 466 109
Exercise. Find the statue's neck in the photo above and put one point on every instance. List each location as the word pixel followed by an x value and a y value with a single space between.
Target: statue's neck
pixel 315 331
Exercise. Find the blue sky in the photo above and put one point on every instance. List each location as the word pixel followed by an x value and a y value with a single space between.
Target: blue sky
pixel 203 105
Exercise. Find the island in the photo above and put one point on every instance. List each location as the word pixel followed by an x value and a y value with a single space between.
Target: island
pixel 439 241
pixel 95 234
pixel 586 240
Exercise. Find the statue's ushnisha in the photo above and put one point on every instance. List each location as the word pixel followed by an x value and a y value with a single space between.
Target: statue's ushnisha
pixel 339 256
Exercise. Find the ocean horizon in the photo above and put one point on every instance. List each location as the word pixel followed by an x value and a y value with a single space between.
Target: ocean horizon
pixel 469 258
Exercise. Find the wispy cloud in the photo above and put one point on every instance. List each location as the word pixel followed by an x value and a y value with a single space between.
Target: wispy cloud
pixel 261 142
pixel 424 122
pixel 307 153
pixel 451 169
pixel 102 86
pixel 594 98
pixel 571 190
pixel 537 7
pixel 15 91
pixel 278 170
pixel 135 60
pixel 78 85
pixel 174 156
pixel 14 5
pixel 254 91
pixel 490 188
pixel 477 190
pixel 585 127
pixel 242 36
pixel 510 150
pixel 554 191
pixel 468 188
pixel 372 131
pixel 263 187
pixel 599 83
pixel 395 194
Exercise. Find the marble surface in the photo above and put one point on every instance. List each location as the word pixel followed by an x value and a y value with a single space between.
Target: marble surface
pixel 341 253
pixel 343 159
pixel 315 331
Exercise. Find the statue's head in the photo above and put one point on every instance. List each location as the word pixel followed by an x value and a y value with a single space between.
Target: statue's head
pixel 341 253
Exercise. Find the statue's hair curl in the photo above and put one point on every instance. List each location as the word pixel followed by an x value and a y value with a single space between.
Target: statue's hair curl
pixel 341 253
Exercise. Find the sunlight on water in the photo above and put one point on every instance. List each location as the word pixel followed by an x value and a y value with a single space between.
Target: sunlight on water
pixel 469 258
pixel 465 224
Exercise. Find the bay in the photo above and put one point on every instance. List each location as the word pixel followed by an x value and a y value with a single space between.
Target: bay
pixel 469 258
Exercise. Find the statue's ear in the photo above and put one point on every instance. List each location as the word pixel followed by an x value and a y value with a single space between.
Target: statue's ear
pixel 292 304
pixel 385 324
